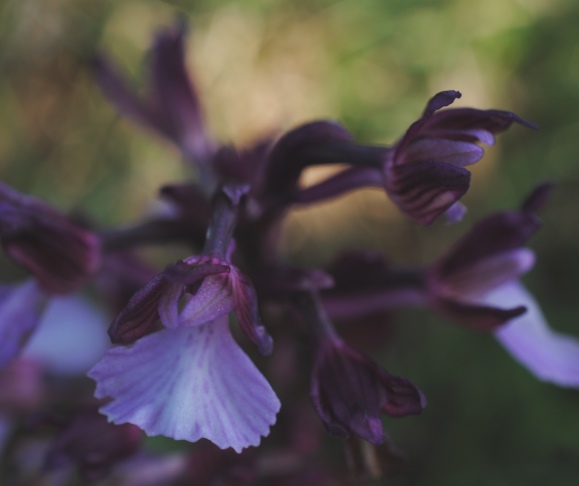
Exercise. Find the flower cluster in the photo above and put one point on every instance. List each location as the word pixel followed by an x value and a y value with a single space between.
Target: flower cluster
pixel 178 369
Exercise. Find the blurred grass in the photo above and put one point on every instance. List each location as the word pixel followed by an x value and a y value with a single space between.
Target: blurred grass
pixel 264 65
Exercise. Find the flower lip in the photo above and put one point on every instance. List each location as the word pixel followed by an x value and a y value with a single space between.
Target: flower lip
pixel 188 383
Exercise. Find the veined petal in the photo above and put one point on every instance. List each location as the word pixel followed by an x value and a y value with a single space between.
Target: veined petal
pixel 213 299
pixel 479 277
pixel 450 151
pixel 20 310
pixel 551 356
pixel 425 190
pixel 188 383
pixel 141 312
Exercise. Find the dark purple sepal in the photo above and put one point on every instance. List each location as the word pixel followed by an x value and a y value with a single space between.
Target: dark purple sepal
pixel 140 314
pixel 425 190
pixel 465 119
pixel 174 98
pixel 171 107
pixel 498 233
pixel 292 153
pixel 477 317
pixel 440 100
pixel 349 392
pixel 247 313
pixel 61 255
pixel 117 91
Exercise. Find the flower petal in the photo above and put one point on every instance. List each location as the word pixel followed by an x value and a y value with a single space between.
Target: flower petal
pixel 476 316
pixel 551 356
pixel 71 336
pixel 498 233
pixel 213 299
pixel 20 310
pixel 188 383
pixel 247 313
pixel 115 88
pixel 174 97
pixel 449 151
pixel 425 190
pixel 139 315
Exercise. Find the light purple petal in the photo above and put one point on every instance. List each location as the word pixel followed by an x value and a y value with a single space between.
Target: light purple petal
pixel 449 151
pixel 455 213
pixel 20 310
pixel 213 299
pixel 551 356
pixel 188 383
pixel 71 337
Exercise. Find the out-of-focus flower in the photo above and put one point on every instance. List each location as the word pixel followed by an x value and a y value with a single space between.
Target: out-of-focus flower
pixel 424 172
pixel 171 107
pixel 59 254
pixel 191 380
pixel 477 283
pixel 70 338
pixel 350 392
pixel 94 445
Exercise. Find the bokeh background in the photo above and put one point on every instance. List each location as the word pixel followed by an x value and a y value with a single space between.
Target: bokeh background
pixel 264 66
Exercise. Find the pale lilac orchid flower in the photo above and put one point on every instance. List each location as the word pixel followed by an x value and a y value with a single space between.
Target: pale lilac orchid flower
pixel 191 380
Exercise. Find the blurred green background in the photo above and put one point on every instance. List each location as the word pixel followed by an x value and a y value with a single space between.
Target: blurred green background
pixel 371 64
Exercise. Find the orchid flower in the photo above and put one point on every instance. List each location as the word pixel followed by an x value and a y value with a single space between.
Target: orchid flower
pixel 191 380
pixel 60 255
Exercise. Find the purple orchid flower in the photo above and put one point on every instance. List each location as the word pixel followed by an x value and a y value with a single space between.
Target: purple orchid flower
pixel 191 380
pixel 348 390
pixel 59 254
pixel 424 172
pixel 477 283
pixel 172 107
